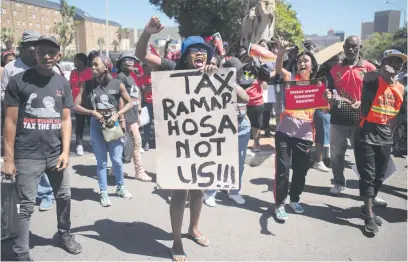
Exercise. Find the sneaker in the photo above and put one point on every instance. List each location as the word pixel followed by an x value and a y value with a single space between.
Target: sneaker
pixel 69 244
pixel 123 193
pixel 320 166
pixel 141 150
pixel 371 226
pixel 209 200
pixel 364 216
pixel 80 150
pixel 297 208
pixel 336 190
pixel 379 202
pixel 237 198
pixel 256 147
pixel 281 214
pixel 105 202
pixel 146 147
pixel 45 205
pixel 23 257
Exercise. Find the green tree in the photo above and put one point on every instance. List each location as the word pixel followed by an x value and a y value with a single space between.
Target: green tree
pixel 7 37
pixel 120 34
pixel 66 28
pixel 115 44
pixel 287 23
pixel 205 18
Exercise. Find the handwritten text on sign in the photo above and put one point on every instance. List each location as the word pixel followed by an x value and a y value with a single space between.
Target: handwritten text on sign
pixel 305 94
pixel 195 117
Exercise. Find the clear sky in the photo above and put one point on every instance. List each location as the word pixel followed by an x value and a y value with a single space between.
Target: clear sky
pixel 316 16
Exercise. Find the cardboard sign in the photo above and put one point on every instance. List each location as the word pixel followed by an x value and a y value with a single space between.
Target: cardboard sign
pixel 196 124
pixel 305 94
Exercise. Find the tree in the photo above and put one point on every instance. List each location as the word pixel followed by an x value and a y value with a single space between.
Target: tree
pixel 115 44
pixel 119 34
pixel 101 43
pixel 66 28
pixel 7 36
pixel 287 23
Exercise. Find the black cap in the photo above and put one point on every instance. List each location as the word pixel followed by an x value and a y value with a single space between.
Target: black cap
pixel 49 39
pixel 234 62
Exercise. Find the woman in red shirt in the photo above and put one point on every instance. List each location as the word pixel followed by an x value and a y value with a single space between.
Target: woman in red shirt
pixel 78 77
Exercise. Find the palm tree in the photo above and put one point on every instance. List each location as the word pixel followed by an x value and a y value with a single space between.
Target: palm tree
pixel 115 44
pixel 101 43
pixel 126 33
pixel 7 36
pixel 119 33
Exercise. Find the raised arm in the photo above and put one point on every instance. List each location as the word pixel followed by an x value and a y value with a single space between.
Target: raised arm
pixel 283 48
pixel 153 27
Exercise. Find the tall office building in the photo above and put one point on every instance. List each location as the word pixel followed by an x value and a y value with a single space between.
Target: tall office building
pixel 387 21
pixel 367 29
pixel 341 34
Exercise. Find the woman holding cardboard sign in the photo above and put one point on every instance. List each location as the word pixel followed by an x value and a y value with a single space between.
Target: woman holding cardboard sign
pixel 195 54
pixel 294 133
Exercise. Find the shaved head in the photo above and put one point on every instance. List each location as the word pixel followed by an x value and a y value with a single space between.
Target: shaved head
pixel 353 38
pixel 351 49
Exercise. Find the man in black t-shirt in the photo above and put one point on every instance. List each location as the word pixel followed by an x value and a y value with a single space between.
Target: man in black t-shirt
pixel 37 139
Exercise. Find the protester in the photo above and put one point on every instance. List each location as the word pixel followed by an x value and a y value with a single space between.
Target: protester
pixel 399 147
pixel 6 57
pixel 26 61
pixel 35 97
pixel 321 121
pixel 383 97
pixel 195 54
pixel 345 112
pixel 132 117
pixel 294 133
pixel 244 133
pixel 99 98
pixel 146 86
pixel 78 76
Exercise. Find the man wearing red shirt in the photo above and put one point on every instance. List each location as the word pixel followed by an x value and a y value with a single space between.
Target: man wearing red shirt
pixel 345 111
pixel 78 77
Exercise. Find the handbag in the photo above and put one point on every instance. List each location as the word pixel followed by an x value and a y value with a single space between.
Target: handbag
pixel 109 134
pixel 10 217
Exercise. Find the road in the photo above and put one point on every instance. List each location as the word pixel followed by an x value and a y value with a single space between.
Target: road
pixel 139 229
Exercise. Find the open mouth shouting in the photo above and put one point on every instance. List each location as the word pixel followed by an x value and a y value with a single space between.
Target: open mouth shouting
pixel 198 61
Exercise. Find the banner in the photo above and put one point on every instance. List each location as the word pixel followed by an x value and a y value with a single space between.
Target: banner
pixel 196 126
pixel 305 94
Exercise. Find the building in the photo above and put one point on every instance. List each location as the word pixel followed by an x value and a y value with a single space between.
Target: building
pixel 41 15
pixel 387 21
pixel 341 34
pixel 367 29
pixel 159 40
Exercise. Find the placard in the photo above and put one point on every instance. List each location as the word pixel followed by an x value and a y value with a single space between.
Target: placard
pixel 305 94
pixel 196 126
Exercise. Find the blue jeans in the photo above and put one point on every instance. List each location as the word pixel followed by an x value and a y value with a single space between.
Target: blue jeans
pixel 44 190
pixel 147 127
pixel 100 149
pixel 322 126
pixel 244 132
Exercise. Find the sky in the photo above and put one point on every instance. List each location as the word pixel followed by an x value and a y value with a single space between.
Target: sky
pixel 316 16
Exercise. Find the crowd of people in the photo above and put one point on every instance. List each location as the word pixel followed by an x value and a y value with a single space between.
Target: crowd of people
pixel 365 105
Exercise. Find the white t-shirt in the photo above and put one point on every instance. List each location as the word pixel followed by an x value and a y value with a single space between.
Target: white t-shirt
pixel 13 68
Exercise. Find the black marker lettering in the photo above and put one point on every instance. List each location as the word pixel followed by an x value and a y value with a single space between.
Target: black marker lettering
pixel 209 175
pixel 205 83
pixel 168 104
pixel 204 153
pixel 182 109
pixel 219 172
pixel 215 103
pixel 224 82
pixel 173 128
pixel 226 173
pixel 226 98
pixel 204 125
pixel 218 140
pixel 226 123
pixel 203 102
pixel 192 131
pixel 185 146
pixel 233 175
pixel 181 177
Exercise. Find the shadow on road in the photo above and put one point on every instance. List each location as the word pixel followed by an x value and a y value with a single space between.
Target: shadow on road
pixel 387 189
pixel 90 171
pixel 84 194
pixel 133 238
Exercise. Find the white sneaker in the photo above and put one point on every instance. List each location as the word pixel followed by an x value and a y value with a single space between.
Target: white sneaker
pixel 321 167
pixel 379 202
pixel 141 150
pixel 237 198
pixel 336 190
pixel 209 200
pixel 80 150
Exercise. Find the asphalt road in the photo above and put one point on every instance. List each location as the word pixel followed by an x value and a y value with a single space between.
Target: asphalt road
pixel 139 229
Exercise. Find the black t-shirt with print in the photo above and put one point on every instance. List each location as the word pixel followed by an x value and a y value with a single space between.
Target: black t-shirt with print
pixel 102 98
pixel 132 115
pixel 372 133
pixel 41 100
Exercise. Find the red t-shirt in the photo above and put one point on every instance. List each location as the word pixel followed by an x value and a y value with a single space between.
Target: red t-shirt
pixel 255 93
pixel 147 95
pixel 78 79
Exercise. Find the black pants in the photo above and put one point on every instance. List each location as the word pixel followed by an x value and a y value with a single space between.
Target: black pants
pixel 29 172
pixel 267 116
pixel 372 163
pixel 300 151
pixel 80 127
pixel 255 115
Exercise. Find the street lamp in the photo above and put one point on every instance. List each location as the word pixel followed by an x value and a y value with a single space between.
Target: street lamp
pixel 403 10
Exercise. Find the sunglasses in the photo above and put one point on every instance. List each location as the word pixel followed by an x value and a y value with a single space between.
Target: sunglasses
pixel 128 60
pixel 195 50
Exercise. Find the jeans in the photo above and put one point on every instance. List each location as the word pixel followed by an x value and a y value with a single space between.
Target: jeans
pixel 80 127
pixel 147 127
pixel 44 191
pixel 29 172
pixel 322 126
pixel 338 147
pixel 244 132
pixel 100 148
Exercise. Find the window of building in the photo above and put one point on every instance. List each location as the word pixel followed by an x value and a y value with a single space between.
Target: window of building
pixel 18 4
pixel 14 12
pixel 3 11
pixel 37 25
pixel 8 21
pixel 24 23
pixel 30 24
pixel 6 2
pixel 33 15
pixel 18 22
pixel 47 26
